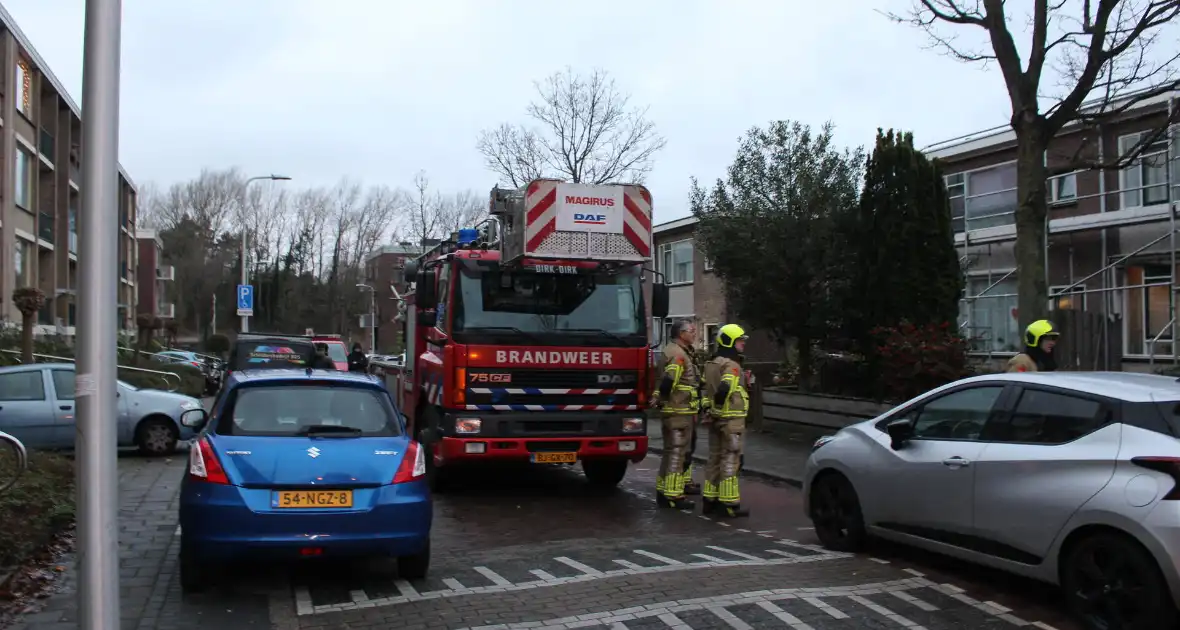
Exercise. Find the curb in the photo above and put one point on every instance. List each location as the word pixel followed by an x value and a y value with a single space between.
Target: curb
pixel 753 471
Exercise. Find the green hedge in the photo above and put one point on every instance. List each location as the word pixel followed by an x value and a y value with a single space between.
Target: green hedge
pixel 38 507
pixel 192 382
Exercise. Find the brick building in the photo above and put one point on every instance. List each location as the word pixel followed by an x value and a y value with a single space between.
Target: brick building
pixel 1111 244
pixel 153 277
pixel 383 272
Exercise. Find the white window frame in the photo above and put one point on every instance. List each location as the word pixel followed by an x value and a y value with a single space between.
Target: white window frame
pixel 1073 294
pixel 710 334
pixel 23 201
pixel 24 87
pixel 667 250
pixel 1133 198
pixel 1055 196
pixel 708 264
pixel 963 179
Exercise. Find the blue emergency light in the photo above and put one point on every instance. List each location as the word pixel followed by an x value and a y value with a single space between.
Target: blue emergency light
pixel 468 235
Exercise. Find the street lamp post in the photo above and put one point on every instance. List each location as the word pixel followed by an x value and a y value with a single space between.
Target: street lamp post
pixel 95 387
pixel 372 317
pixel 274 178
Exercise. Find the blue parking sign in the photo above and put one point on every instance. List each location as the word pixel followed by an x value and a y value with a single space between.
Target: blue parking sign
pixel 245 300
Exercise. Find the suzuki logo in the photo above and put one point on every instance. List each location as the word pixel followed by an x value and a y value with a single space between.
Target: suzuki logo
pixel 313 452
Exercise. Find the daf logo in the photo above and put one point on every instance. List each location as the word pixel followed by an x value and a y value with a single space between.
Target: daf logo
pixel 614 379
pixel 313 452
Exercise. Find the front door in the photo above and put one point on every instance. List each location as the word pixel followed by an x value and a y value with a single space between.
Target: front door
pixel 25 410
pixel 931 479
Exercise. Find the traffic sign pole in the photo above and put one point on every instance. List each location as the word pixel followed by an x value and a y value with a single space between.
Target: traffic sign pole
pixel 245 305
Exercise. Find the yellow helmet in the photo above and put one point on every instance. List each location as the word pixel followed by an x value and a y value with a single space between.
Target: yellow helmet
pixel 729 335
pixel 1038 330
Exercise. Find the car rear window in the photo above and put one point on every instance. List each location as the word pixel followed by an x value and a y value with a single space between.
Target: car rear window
pixel 255 355
pixel 290 409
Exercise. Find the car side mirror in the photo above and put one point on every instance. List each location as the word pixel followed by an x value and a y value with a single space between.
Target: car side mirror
pixel 900 432
pixel 659 300
pixel 425 290
pixel 194 418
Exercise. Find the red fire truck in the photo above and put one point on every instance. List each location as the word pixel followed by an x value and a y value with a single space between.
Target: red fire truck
pixel 527 335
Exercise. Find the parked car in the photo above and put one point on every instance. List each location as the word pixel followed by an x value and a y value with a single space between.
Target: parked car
pixel 290 453
pixel 205 365
pixel 37 406
pixel 1071 478
pixel 253 351
pixel 337 351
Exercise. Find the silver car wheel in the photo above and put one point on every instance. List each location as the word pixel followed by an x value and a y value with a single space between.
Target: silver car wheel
pixel 157 438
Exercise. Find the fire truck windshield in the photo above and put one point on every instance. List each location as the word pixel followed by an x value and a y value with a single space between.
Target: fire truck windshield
pixel 550 306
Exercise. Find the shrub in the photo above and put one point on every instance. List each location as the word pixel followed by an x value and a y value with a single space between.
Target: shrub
pixel 912 359
pixel 192 382
pixel 217 344
pixel 39 506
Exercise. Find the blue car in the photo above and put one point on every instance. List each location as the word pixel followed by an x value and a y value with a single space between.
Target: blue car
pixel 300 463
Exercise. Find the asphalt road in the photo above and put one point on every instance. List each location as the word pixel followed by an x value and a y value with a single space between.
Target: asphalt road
pixel 537 548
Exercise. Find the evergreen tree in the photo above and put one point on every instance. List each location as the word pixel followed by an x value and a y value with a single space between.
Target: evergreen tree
pixel 908 268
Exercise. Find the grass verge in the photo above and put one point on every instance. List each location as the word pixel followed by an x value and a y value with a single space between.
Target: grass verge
pixel 38 507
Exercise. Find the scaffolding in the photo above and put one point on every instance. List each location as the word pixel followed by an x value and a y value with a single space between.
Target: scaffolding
pixel 988 257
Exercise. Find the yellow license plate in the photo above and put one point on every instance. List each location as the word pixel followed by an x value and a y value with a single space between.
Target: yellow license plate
pixel 308 499
pixel 555 458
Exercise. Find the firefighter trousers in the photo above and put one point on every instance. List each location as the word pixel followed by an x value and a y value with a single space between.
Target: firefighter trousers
pixel 692 449
pixel 671 478
pixel 726 437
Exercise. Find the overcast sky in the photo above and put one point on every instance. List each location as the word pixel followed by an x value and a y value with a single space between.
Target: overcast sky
pixel 377 90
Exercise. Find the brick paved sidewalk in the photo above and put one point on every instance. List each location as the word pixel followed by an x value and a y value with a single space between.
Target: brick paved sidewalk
pixel 779 451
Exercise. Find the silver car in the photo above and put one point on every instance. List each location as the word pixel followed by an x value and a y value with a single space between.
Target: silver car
pixel 37 406
pixel 1071 478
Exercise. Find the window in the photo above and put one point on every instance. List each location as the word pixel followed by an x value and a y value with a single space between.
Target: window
pixel 22 386
pixel 299 409
pixel 1063 297
pixel 1157 308
pixel 493 300
pixel 987 315
pixel 988 196
pixel 1044 417
pixel 23 192
pixel 676 261
pixel 1063 188
pixel 956 190
pixel 1145 181
pixel 24 87
pixel 21 264
pixel 959 415
pixel 710 336
pixel 63 384
pixel 708 263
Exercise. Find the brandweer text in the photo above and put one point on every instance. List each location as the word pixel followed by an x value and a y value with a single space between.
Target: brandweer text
pixel 540 356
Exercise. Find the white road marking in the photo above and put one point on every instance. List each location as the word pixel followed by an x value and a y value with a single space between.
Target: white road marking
pixel 794 543
pixel 358 596
pixel 824 606
pixel 729 618
pixel 492 576
pixel 544 575
pixel 805 529
pixel 879 560
pixel 999 608
pixel 452 583
pixel 723 524
pixel 673 621
pixel 885 612
pixel 303 605
pixel 914 572
pixel 629 564
pixel 655 556
pixel 744 531
pixel 569 562
pixel 406 589
pixel 739 554
pixel 784 554
pixel 766 531
pixel 906 597
pixel 784 616
pixel 708 558
pixel 177 532
pixel 1042 625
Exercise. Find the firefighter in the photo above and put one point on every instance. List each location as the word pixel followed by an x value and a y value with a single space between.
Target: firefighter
pixel 1039 339
pixel 692 488
pixel 725 387
pixel 677 397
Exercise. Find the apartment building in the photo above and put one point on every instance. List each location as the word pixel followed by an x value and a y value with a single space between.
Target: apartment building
pixel 152 277
pixel 695 292
pixel 1111 244
pixel 383 272
pixel 40 192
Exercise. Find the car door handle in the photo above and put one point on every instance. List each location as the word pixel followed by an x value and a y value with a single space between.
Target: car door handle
pixel 956 462
pixel 66 407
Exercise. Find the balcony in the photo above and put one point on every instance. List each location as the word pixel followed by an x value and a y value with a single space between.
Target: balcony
pixel 74 243
pixel 45 145
pixel 166 272
pixel 75 173
pixel 166 310
pixel 45 227
pixel 122 268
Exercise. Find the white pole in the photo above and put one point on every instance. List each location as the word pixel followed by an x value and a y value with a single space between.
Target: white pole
pixel 95 387
pixel 245 318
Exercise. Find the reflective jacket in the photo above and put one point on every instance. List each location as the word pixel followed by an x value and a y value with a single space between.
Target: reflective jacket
pixel 725 380
pixel 680 381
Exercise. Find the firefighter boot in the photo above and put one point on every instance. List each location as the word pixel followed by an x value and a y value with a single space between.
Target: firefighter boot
pixel 677 503
pixel 708 506
pixel 691 488
pixel 731 510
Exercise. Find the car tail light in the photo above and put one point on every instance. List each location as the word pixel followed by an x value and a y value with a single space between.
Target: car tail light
pixel 195 364
pixel 413 466
pixel 1170 466
pixel 203 464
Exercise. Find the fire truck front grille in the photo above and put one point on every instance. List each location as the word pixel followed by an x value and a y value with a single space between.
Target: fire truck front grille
pixel 553 388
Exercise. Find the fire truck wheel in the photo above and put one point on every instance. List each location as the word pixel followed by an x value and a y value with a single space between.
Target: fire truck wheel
pixel 604 473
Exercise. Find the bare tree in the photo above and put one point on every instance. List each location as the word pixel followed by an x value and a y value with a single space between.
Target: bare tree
pixel 460 210
pixel 585 131
pixel 1098 48
pixel 423 218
